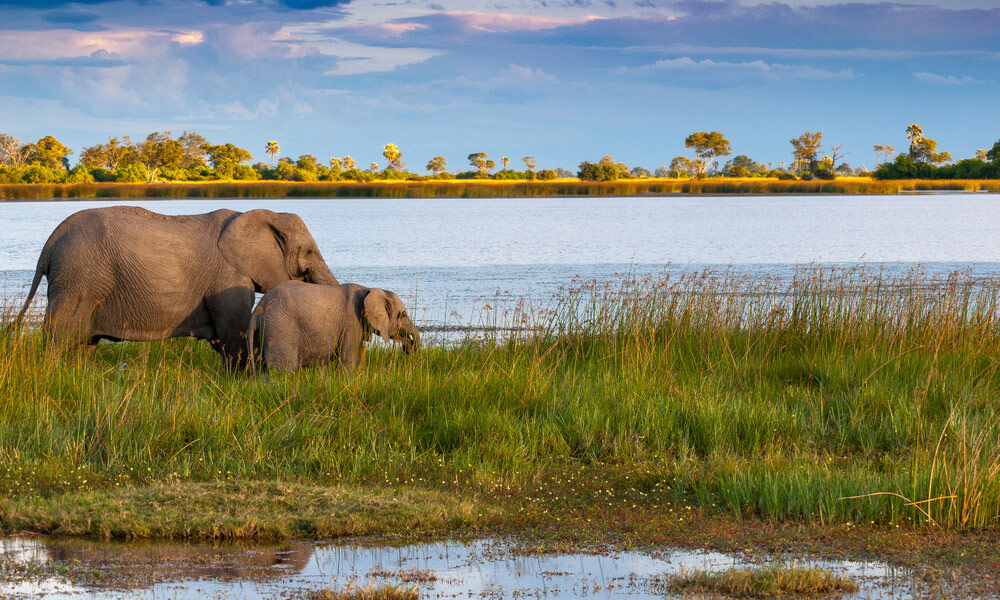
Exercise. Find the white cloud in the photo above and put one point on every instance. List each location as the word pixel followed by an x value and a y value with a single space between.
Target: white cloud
pixel 946 79
pixel 238 110
pixel 518 74
pixel 354 58
pixel 758 67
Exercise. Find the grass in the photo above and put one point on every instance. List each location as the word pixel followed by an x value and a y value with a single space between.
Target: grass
pixel 371 592
pixel 773 581
pixel 838 398
pixel 483 188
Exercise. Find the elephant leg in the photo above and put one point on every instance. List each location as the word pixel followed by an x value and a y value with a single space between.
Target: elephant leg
pixel 230 311
pixel 281 353
pixel 69 321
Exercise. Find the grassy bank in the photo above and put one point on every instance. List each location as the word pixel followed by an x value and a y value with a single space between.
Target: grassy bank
pixel 837 399
pixel 482 188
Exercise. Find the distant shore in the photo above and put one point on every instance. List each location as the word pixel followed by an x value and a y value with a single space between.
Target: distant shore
pixel 486 188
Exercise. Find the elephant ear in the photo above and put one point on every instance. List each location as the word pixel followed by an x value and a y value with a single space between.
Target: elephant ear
pixel 377 312
pixel 255 243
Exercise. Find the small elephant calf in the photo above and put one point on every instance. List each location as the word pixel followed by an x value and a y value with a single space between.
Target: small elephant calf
pixel 300 324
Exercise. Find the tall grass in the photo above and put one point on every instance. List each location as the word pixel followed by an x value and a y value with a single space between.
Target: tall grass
pixel 835 396
pixel 481 188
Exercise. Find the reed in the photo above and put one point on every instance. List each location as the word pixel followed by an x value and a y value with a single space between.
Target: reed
pixel 483 188
pixel 838 396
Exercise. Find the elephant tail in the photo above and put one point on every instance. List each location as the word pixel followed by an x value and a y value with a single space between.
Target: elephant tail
pixel 41 269
pixel 252 360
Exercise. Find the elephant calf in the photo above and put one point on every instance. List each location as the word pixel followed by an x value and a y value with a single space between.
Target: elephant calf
pixel 299 324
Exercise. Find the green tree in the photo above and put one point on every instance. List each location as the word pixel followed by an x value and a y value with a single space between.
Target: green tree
pixel 530 163
pixel 600 171
pixel 743 166
pixel 49 152
pixel 662 171
pixel 805 149
pixel 394 157
pixel 157 152
pixel 437 165
pixel 994 152
pixel 504 162
pixel 272 149
pixel 336 164
pixel 373 168
pixel 913 133
pixel 110 155
pixel 226 157
pixel 681 166
pixel 479 160
pixel 307 162
pixel 924 150
pixel 349 163
pixel 707 145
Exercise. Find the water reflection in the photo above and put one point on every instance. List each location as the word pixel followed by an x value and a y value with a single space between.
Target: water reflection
pixel 57 568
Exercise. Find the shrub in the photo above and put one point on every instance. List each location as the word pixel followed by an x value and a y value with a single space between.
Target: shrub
pixel 546 175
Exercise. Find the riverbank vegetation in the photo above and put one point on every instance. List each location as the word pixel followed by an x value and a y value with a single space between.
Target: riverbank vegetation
pixel 837 399
pixel 191 158
pixel 486 189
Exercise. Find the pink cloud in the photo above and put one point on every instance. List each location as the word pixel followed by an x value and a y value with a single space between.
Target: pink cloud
pixel 506 22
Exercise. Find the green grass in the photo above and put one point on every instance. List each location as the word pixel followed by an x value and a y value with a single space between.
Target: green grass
pixel 371 592
pixel 840 398
pixel 481 188
pixel 774 581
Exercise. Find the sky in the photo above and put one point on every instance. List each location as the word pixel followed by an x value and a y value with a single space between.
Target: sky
pixel 561 80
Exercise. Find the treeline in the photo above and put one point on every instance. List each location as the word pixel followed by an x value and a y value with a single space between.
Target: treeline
pixel 191 158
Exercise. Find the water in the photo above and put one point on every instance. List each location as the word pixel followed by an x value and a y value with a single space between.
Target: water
pixel 442 569
pixel 448 257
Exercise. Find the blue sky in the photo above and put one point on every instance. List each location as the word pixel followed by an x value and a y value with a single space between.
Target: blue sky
pixel 563 81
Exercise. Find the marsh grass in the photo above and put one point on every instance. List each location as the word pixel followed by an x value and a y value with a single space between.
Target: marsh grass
pixel 483 188
pixel 839 396
pixel 369 592
pixel 774 581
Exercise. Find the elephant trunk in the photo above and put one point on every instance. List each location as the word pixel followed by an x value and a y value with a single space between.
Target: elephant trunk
pixel 411 338
pixel 321 274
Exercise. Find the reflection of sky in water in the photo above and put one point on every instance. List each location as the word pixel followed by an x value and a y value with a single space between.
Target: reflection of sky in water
pixel 482 568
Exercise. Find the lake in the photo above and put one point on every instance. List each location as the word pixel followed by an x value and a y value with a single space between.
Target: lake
pixel 448 257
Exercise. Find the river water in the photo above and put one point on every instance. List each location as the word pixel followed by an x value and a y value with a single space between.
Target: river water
pixel 449 257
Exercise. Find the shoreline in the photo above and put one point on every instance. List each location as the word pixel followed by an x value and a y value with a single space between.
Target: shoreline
pixel 568 188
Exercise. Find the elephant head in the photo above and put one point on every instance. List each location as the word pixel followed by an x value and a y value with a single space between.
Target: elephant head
pixel 384 312
pixel 270 247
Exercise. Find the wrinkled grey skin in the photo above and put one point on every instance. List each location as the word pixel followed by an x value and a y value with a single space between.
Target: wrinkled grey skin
pixel 125 273
pixel 302 325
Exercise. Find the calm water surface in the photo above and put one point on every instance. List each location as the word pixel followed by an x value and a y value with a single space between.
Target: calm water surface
pixel 447 569
pixel 450 256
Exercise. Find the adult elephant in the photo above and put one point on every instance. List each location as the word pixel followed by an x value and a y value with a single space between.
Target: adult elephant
pixel 125 273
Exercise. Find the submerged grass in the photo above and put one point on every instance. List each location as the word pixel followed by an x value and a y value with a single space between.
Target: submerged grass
pixel 485 188
pixel 833 397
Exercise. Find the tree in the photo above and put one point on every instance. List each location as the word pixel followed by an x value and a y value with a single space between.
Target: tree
pixel 225 158
pixel 504 162
pixel 981 154
pixel 743 166
pixel 924 150
pixel 394 157
pixel 307 162
pixel 805 148
pixel 194 149
pixel 336 164
pixel 478 160
pixel 49 152
pixel 886 151
pixel 530 163
pixel 272 149
pixel 12 152
pixel 373 168
pixel 602 171
pixel 437 165
pixel 994 152
pixel 707 145
pixel 681 165
pixel 662 171
pixel 349 163
pixel 836 154
pixel 913 133
pixel 157 152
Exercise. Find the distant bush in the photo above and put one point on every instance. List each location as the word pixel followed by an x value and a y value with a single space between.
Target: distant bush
pixel 546 175
pixel 79 174
pixel 130 174
pixel 595 172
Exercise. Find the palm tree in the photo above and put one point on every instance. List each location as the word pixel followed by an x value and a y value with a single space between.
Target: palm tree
pixel 505 161
pixel 272 150
pixel 914 133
